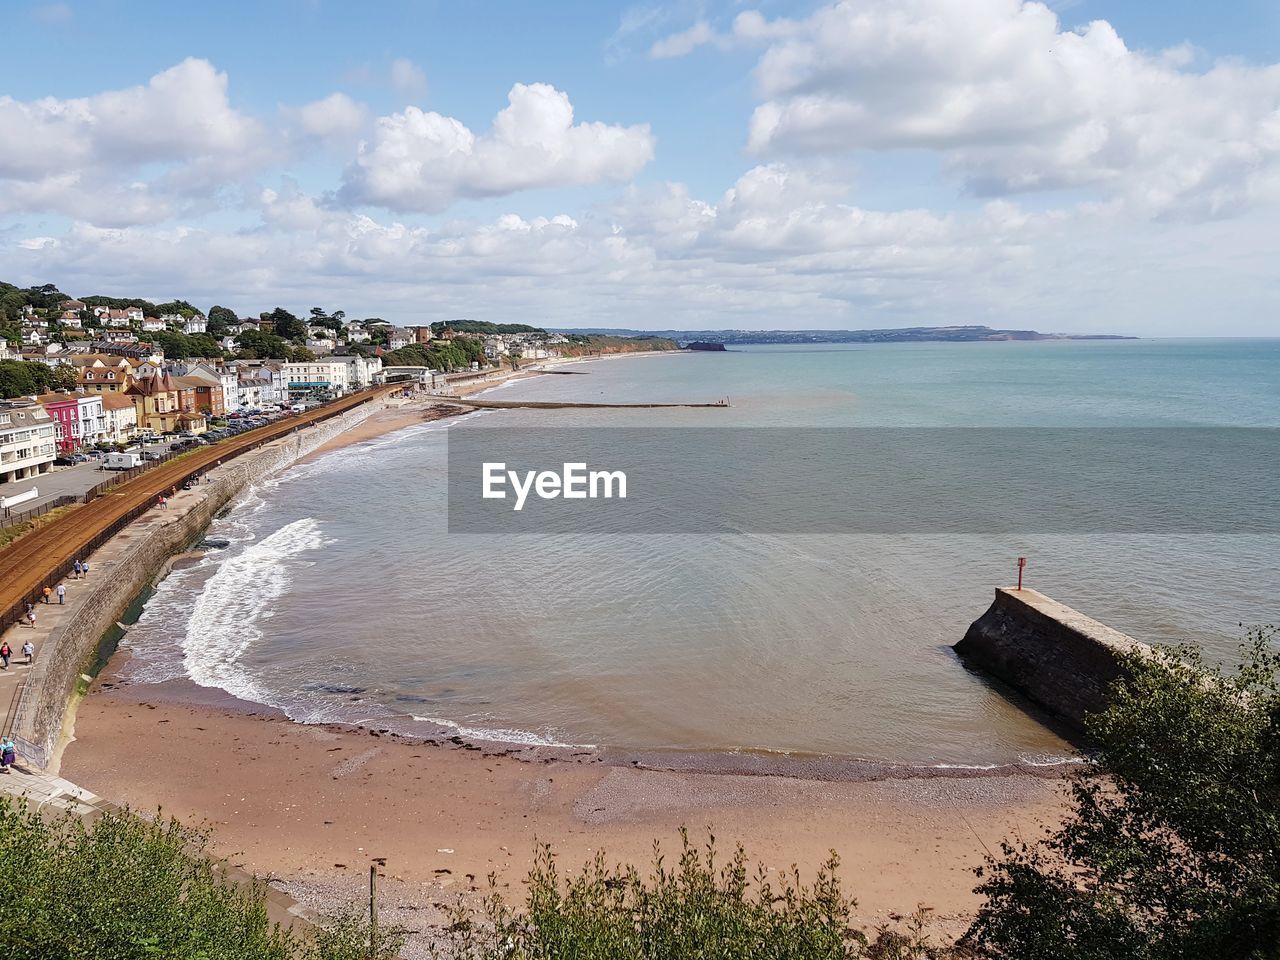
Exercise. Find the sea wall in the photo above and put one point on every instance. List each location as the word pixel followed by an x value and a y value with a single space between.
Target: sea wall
pixel 129 563
pixel 1054 655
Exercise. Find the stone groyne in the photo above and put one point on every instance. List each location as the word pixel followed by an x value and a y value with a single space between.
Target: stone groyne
pixel 127 564
pixel 1056 656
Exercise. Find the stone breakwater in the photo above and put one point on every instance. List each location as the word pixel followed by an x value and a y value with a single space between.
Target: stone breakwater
pixel 130 562
pixel 1056 656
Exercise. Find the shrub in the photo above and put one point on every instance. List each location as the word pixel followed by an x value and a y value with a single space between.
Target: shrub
pixel 127 888
pixel 694 910
pixel 1172 849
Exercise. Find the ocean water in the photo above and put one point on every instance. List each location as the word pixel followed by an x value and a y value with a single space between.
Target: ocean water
pixel 344 597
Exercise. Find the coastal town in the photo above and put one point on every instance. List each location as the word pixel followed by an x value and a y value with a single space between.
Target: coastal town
pixel 117 383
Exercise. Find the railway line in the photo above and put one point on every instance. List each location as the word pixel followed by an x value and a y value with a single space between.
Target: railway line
pixel 46 554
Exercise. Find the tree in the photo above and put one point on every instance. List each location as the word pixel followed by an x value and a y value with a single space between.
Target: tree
pixel 62 377
pixel 256 345
pixel 1172 848
pixel 220 320
pixel 285 324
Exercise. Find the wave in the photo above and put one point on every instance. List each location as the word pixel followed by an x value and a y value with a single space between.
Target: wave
pixel 225 618
pixel 501 735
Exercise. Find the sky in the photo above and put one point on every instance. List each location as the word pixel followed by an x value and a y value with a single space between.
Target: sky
pixel 1082 166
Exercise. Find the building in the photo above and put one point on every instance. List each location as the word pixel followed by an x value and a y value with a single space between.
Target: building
pixel 316 378
pixel 200 393
pixel 121 417
pixel 361 371
pixel 153 325
pixel 421 334
pixel 194 324
pixel 261 384
pixel 320 345
pixel 104 379
pixel 78 419
pixel 28 440
pixel 155 399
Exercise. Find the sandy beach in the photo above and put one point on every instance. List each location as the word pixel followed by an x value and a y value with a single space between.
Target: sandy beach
pixel 312 805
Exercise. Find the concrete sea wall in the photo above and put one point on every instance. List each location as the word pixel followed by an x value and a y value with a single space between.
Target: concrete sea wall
pixel 128 564
pixel 1054 655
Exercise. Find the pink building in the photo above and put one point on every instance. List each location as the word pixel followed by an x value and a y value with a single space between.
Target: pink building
pixel 79 420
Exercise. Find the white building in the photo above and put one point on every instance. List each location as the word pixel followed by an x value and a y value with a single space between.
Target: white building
pixel 320 345
pixel 196 324
pixel 398 338
pixel 153 325
pixel 28 442
pixel 316 378
pixel 361 371
pixel 120 417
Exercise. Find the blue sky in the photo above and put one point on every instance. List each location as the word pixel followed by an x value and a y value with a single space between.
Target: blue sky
pixel 1108 166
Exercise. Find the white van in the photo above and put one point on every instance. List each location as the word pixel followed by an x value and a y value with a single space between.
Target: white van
pixel 122 461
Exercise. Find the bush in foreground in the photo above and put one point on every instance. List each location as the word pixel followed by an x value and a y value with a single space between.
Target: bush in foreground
pixel 127 888
pixel 1172 850
pixel 694 910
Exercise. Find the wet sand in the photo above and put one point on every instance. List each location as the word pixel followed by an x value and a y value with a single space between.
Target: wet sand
pixel 313 804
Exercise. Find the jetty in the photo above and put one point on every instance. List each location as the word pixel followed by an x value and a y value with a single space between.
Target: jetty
pixel 575 405
pixel 1054 655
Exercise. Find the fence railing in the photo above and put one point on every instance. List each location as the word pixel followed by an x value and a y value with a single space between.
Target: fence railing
pixel 11 518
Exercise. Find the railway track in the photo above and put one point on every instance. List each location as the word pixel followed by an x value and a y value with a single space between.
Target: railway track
pixel 46 554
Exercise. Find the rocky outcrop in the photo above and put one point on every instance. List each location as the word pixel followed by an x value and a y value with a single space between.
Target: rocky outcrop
pixel 1054 655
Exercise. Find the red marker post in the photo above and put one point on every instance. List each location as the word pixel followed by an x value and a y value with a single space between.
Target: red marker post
pixel 1022 563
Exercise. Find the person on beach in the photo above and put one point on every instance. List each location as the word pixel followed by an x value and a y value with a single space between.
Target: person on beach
pixel 31 616
pixel 8 754
pixel 62 593
pixel 5 654
pixel 84 568
pixel 76 568
pixel 45 593
pixel 29 651
pixel 160 500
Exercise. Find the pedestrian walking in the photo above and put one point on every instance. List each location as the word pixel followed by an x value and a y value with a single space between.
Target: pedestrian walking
pixel 29 651
pixel 76 568
pixel 8 754
pixel 84 568
pixel 5 654
pixel 44 594
pixel 62 593
pixel 31 616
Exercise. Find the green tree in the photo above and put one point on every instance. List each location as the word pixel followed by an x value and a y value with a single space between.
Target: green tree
pixel 221 319
pixel 256 345
pixel 1172 848
pixel 285 324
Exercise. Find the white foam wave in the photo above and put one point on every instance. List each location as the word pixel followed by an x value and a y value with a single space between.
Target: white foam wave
pixel 225 617
pixel 501 735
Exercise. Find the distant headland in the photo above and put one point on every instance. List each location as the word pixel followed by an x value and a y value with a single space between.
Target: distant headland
pixel 960 334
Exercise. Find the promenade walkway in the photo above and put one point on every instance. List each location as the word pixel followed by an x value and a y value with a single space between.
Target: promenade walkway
pixel 103 562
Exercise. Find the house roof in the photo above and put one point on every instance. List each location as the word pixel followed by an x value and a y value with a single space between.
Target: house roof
pixel 115 401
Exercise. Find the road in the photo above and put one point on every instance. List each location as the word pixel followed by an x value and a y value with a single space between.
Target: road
pixel 72 481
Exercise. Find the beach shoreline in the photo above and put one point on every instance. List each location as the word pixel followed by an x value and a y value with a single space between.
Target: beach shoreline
pixel 312 804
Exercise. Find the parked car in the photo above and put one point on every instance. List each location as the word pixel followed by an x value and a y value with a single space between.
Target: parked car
pixel 153 455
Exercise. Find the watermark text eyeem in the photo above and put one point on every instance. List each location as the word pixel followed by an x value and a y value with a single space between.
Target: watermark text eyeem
pixel 573 482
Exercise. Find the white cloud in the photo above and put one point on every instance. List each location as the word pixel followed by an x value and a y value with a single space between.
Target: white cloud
pixel 423 161
pixel 125 156
pixel 1012 102
pixel 408 79
pixel 335 117
pixel 749 28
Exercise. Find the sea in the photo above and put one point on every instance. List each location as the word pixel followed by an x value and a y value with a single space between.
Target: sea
pixel 343 597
